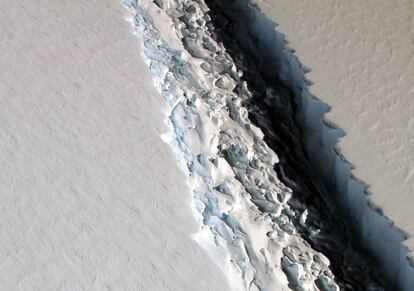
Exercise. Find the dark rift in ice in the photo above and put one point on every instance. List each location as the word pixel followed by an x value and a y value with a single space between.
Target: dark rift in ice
pixel 348 196
pixel 264 218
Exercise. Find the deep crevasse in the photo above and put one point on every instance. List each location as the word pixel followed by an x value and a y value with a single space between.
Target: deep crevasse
pixel 246 223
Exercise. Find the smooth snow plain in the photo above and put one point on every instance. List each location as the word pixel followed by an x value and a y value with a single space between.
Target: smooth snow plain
pixel 358 58
pixel 90 196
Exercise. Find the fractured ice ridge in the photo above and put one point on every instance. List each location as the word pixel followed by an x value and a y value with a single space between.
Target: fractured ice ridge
pixel 250 223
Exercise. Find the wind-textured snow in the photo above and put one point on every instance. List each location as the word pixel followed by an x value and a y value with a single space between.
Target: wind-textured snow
pixel 90 197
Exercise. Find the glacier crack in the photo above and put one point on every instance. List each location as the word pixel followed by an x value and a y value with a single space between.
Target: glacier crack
pixel 264 217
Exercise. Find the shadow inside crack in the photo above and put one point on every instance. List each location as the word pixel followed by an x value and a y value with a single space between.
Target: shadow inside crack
pixel 365 250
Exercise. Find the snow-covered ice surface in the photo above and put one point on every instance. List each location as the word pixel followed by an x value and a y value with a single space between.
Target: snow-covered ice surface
pixel 359 57
pixel 90 196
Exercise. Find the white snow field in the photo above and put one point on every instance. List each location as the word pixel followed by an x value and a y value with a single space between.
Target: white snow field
pixel 360 58
pixel 90 196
